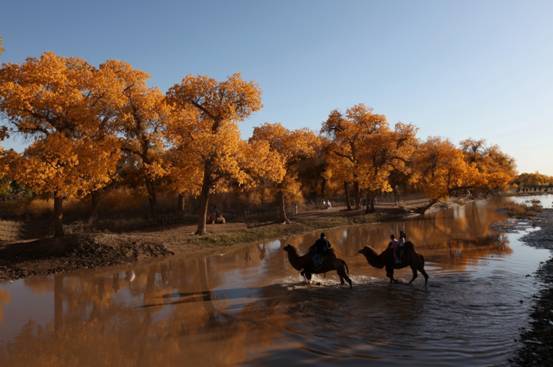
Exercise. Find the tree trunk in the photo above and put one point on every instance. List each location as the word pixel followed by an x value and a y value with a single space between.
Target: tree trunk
pixel 423 209
pixel 282 201
pixel 204 202
pixel 152 198
pixel 346 192
pixel 94 201
pixel 369 207
pixel 397 196
pixel 323 187
pixel 357 193
pixel 58 216
pixel 180 203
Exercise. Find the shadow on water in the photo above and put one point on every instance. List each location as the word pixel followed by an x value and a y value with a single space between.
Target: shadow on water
pixel 248 306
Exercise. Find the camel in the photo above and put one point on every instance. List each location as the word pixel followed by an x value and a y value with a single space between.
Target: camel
pixel 305 265
pixel 386 259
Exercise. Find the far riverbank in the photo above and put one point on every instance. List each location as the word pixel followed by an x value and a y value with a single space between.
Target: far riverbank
pixel 91 250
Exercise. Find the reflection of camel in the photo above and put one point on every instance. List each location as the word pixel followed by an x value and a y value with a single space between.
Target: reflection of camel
pixel 305 265
pixel 386 259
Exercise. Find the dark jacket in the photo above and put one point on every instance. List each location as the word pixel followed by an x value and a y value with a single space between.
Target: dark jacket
pixel 321 246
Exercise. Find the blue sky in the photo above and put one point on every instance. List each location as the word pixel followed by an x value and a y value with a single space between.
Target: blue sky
pixel 481 69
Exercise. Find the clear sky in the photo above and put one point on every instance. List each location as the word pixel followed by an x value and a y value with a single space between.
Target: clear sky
pixel 481 69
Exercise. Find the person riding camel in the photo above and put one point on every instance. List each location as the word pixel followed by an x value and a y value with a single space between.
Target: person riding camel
pixel 394 245
pixel 402 242
pixel 320 250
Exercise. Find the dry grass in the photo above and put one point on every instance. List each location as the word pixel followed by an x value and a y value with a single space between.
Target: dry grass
pixel 272 231
pixel 517 210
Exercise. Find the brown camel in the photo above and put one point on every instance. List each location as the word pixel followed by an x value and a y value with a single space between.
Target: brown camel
pixel 305 265
pixel 386 259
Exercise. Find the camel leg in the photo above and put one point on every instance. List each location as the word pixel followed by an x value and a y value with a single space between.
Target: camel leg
pixel 390 274
pixel 343 275
pixel 307 277
pixel 423 272
pixel 414 270
pixel 348 280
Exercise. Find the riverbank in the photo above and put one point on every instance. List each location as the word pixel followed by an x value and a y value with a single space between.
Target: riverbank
pixel 91 250
pixel 537 340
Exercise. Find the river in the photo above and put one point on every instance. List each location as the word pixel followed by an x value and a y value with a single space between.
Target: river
pixel 248 306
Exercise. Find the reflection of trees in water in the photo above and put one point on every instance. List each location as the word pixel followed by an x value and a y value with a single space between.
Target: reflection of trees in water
pixel 89 316
pixel 452 237
pixel 5 298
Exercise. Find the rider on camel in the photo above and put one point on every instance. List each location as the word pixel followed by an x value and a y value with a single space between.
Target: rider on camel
pixel 394 245
pixel 398 247
pixel 320 250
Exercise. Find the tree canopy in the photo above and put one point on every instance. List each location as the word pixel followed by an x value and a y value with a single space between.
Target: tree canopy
pixel 92 126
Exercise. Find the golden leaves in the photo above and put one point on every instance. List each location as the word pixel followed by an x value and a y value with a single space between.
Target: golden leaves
pixel 69 168
pixel 291 146
pixel 231 100
pixel 203 129
pixel 58 102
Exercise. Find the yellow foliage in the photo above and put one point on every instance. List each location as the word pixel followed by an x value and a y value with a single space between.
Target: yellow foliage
pixel 440 168
pixel 57 102
pixel 292 146
pixel 68 168
pixel 492 169
pixel 140 116
pixel 204 131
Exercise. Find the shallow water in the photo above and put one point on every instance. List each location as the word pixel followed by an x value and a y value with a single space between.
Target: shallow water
pixel 545 200
pixel 249 306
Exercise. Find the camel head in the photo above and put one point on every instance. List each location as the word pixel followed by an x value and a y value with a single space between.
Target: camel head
pixel 367 251
pixel 371 256
pixel 290 249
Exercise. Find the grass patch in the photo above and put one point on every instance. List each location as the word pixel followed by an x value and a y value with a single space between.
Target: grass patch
pixel 272 231
pixel 520 211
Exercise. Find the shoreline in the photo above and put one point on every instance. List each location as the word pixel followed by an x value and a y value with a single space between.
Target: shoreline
pixel 537 339
pixel 93 250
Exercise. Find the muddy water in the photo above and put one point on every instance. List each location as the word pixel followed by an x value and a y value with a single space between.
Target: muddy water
pixel 248 306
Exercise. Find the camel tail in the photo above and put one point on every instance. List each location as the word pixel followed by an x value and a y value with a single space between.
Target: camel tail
pixel 346 266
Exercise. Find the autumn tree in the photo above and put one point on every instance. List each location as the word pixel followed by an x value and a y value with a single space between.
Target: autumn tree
pixel 492 169
pixel 56 102
pixel 524 180
pixel 141 116
pixel 348 135
pixel 293 147
pixel 312 172
pixel 382 152
pixel 208 112
pixel 440 169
